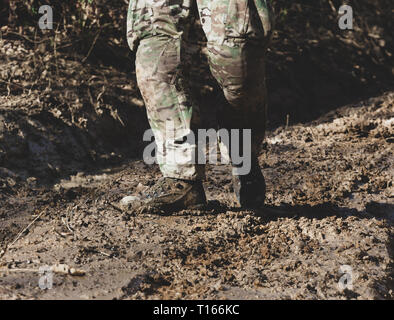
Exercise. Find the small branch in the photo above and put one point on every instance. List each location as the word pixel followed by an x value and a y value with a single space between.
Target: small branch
pixel 12 84
pixel 2 253
pixel 67 225
pixel 26 38
pixel 332 6
pixel 92 46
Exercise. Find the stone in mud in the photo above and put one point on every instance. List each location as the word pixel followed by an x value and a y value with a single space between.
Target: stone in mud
pixel 127 202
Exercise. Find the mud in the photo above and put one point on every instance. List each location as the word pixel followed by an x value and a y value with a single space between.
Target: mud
pixel 70 148
pixel 330 182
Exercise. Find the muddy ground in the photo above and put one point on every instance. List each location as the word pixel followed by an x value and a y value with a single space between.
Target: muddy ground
pixel 329 180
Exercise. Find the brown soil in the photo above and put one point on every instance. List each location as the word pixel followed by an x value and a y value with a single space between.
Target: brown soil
pixel 70 147
pixel 331 180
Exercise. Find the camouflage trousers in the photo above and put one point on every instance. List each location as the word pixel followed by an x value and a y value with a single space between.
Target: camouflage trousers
pixel 237 32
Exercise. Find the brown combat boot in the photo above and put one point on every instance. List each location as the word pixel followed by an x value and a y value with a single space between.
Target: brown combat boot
pixel 168 195
pixel 250 189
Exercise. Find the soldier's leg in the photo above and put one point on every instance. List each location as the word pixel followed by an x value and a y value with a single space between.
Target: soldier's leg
pixel 156 29
pixel 238 33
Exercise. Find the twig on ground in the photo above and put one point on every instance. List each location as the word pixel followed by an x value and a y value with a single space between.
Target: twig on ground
pixel 55 52
pixel 12 83
pixel 59 269
pixel 92 46
pixel 2 253
pixel 67 225
pixel 26 38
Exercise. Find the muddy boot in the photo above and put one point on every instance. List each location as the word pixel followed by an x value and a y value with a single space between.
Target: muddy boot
pixel 250 189
pixel 168 195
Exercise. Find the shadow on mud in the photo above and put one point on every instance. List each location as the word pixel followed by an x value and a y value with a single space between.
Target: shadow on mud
pixel 320 211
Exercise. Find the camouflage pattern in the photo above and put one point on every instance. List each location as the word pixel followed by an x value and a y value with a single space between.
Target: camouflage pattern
pixel 238 33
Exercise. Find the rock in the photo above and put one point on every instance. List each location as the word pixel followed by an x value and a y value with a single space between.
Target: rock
pixel 129 202
pixel 65 269
pixel 141 188
pixel 126 201
pixel 60 268
pixel 77 272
